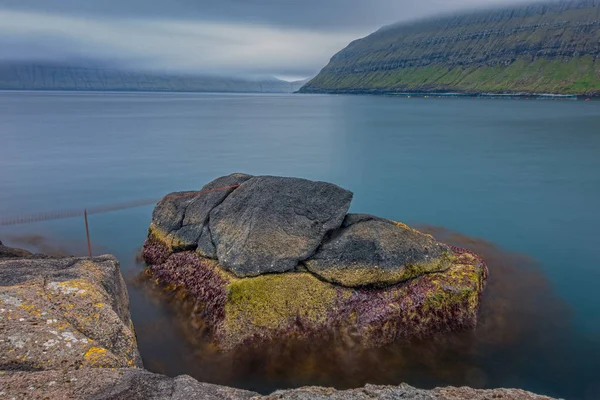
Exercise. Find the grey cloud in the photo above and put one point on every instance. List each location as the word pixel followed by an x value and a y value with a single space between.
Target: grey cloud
pixel 241 37
pixel 168 44
pixel 309 14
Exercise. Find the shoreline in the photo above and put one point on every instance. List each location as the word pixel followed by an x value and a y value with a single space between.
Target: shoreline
pixel 71 336
pixel 438 94
pixel 357 92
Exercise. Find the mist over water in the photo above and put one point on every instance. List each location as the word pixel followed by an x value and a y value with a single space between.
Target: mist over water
pixel 522 175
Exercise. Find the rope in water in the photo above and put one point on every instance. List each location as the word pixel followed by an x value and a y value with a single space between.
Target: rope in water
pixel 38 217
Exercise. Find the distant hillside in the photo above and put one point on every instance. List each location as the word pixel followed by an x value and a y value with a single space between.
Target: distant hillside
pixel 297 85
pixel 14 76
pixel 541 48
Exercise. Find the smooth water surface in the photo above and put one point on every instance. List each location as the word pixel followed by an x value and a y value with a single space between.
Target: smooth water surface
pixel 524 175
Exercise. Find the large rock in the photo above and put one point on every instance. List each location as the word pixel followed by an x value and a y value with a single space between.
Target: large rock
pixel 270 224
pixel 64 314
pixel 252 225
pixel 368 250
pixel 335 273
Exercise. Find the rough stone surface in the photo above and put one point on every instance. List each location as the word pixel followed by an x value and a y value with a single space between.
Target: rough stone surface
pixel 137 384
pixel 403 392
pixel 182 218
pixel 270 223
pixel 368 250
pixel 115 384
pixel 64 313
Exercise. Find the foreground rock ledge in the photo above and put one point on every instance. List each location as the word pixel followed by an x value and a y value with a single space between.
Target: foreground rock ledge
pixel 138 384
pixel 66 333
pixel 63 313
pixel 272 257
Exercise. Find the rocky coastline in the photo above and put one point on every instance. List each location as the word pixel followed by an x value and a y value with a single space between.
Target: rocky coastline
pixel 437 93
pixel 66 333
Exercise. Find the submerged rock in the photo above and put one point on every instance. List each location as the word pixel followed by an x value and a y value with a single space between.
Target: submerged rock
pixel 370 279
pixel 10 252
pixel 64 313
pixel 275 306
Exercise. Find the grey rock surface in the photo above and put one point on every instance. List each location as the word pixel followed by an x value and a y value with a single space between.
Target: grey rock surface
pixel 402 392
pixel 64 313
pixel 183 217
pixel 270 223
pixel 115 384
pixel 368 250
pixel 138 384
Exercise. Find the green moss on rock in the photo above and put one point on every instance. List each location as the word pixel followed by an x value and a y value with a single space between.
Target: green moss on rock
pixel 365 275
pixel 261 309
pixel 270 299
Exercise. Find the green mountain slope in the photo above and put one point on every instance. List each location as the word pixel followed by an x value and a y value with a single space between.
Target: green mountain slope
pixel 541 48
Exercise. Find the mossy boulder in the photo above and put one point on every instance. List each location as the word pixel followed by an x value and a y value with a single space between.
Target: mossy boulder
pixel 290 262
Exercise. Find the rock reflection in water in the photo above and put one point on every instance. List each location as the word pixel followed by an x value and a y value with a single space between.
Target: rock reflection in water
pixel 516 343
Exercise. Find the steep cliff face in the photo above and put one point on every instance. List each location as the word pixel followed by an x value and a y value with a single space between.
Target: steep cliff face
pixel 541 48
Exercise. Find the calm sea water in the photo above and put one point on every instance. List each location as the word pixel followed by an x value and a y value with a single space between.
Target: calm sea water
pixel 523 175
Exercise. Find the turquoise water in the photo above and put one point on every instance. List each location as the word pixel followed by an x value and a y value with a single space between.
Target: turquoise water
pixel 524 175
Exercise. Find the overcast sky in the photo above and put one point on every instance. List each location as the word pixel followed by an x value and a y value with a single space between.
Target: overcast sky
pixel 286 38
